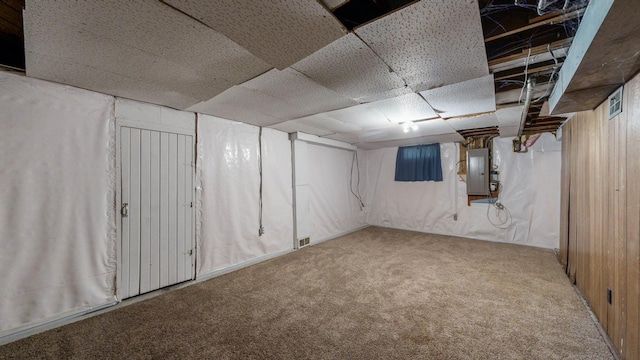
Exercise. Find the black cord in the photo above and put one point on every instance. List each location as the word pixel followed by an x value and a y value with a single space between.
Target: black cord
pixel 261 228
pixel 354 159
pixel 358 184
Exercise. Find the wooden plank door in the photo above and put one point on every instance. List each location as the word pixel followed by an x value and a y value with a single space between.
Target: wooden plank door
pixel 157 237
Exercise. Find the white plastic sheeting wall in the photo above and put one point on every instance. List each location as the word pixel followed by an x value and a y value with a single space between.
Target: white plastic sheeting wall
pixel 531 192
pixel 333 210
pixel 57 197
pixel 228 177
pixel 57 183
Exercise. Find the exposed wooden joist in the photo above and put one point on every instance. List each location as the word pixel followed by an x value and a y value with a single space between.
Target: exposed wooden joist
pixel 529 71
pixel 465 116
pixel 488 131
pixel 534 51
pixel 547 16
pixel 479 130
pixel 551 21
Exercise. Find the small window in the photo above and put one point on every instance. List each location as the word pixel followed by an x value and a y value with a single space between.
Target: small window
pixel 615 103
pixel 419 163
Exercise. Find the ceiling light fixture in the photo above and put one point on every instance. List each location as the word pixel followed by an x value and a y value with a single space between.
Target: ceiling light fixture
pixel 408 126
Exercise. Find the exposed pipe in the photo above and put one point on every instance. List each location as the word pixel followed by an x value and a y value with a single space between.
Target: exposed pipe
pixel 531 83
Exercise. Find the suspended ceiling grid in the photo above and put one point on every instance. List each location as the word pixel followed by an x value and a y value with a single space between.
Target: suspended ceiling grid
pixel 164 53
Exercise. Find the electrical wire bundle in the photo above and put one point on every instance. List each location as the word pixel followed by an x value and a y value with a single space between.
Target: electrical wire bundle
pixel 501 213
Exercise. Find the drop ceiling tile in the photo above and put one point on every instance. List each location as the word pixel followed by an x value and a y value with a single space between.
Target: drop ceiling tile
pixel 386 94
pixel 143 50
pixel 509 116
pixel 361 116
pixel 422 140
pixel 509 120
pixel 326 122
pixel 332 4
pixel 349 67
pixel 280 32
pixel 238 104
pixel 299 91
pixel 403 108
pixel 425 128
pixel 509 131
pixel 111 83
pixel 430 43
pixel 465 98
pixel 295 125
pixel 474 122
pixel 349 138
pixel 395 132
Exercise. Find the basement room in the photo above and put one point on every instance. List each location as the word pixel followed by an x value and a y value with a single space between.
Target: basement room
pixel 320 179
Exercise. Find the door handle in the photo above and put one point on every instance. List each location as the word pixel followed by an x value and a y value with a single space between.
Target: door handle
pixel 125 210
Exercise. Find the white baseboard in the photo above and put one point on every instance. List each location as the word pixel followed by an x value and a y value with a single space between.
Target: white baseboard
pixel 334 236
pixel 463 236
pixel 244 264
pixel 32 329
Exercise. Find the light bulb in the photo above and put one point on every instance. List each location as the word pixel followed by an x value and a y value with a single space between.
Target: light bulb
pixel 406 129
pixel 414 127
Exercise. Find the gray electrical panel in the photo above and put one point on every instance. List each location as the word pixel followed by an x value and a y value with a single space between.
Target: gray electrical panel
pixel 478 172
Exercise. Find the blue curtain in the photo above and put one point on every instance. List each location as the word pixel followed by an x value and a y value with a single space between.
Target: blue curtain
pixel 419 163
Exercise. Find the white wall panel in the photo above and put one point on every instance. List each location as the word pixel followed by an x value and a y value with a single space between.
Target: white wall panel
pixel 229 181
pixel 57 215
pixel 531 185
pixel 332 208
pixel 141 115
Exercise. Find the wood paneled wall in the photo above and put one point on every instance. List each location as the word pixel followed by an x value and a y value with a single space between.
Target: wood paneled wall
pixel 600 215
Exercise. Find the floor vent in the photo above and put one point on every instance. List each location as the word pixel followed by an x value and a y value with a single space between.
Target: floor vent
pixel 303 242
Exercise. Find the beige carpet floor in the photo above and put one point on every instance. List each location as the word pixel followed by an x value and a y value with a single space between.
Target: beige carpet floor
pixel 374 294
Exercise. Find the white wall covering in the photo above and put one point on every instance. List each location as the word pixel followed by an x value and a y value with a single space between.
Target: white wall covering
pixel 229 179
pixel 333 209
pixel 57 184
pixel 531 193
